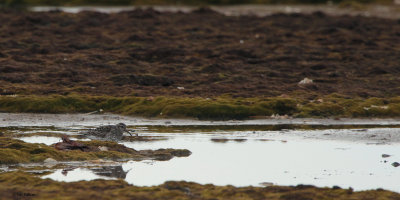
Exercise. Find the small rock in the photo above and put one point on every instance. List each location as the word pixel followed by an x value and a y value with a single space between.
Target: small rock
pixel 305 81
pixel 285 117
pixel 395 164
pixel 385 155
pixel 50 161
pixel 180 88
pixel 103 148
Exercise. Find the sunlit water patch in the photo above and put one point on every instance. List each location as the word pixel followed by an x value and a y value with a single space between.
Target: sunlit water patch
pixel 78 174
pixel 44 139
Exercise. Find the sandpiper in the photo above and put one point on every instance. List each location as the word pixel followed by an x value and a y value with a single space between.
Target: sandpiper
pixel 109 132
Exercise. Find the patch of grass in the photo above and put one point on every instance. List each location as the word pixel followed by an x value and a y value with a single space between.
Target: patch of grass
pixel 221 108
pixel 201 108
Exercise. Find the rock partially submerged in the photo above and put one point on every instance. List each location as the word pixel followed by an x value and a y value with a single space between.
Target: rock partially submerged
pixel 68 144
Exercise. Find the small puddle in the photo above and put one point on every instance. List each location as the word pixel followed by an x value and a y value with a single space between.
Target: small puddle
pixel 44 139
pixel 78 174
pixel 41 139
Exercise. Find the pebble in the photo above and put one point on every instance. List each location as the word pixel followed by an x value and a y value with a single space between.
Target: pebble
pixel 305 81
pixel 103 148
pixel 50 161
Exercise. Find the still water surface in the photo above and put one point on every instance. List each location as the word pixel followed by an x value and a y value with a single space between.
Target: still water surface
pixel 243 158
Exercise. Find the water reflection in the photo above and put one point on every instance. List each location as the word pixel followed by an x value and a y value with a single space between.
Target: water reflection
pixel 101 171
pixel 111 171
pixel 78 174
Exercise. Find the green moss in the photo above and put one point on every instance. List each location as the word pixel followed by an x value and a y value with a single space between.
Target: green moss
pixel 221 108
pixel 15 151
pixel 322 110
pixel 13 156
pixel 14 183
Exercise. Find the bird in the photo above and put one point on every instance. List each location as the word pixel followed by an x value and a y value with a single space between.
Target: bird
pixel 108 132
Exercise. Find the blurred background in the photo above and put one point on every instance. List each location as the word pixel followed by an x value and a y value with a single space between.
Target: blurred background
pixel 181 2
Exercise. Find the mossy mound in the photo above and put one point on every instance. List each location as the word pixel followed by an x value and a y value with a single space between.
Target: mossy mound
pixel 16 184
pixel 201 108
pixel 221 108
pixel 14 151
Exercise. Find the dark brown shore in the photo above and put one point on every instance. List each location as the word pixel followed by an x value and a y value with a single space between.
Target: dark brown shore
pixel 197 54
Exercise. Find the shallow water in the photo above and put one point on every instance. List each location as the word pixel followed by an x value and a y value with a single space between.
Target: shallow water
pixel 241 158
pixel 345 153
pixel 288 162
pixel 78 174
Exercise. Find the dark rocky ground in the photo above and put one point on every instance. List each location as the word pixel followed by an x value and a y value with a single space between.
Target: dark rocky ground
pixel 148 53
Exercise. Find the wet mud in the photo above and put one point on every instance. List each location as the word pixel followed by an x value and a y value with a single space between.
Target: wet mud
pixel 201 53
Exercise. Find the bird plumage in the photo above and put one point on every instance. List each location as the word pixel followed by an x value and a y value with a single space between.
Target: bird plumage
pixel 108 132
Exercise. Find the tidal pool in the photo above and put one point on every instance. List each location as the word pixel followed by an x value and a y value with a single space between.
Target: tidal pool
pixel 288 162
pixel 345 153
pixel 242 158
